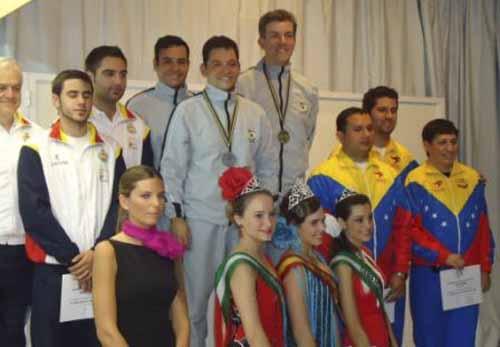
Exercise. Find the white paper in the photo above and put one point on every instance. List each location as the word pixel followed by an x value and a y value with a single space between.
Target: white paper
pixel 389 306
pixel 75 303
pixel 460 288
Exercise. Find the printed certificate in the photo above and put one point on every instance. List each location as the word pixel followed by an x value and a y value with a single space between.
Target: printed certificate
pixel 460 288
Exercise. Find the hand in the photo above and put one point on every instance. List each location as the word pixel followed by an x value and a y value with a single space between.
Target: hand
pixel 81 266
pixel 455 261
pixel 485 281
pixel 181 229
pixel 398 287
pixel 85 285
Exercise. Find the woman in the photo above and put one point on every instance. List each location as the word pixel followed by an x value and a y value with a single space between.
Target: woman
pixel 310 289
pixel 250 306
pixel 361 282
pixel 137 285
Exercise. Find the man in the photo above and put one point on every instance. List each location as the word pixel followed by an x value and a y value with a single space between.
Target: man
pixel 290 101
pixel 156 105
pixel 120 127
pixel 451 231
pixel 67 181
pixel 15 268
pixel 210 132
pixel 382 104
pixel 353 167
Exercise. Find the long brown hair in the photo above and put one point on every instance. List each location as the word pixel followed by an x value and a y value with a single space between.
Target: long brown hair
pixel 127 184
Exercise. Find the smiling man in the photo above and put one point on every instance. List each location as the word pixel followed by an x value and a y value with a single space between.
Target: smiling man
pixel 68 182
pixel 353 167
pixel 157 104
pixel 15 268
pixel 107 67
pixel 210 132
pixel 382 103
pixel 289 100
pixel 451 231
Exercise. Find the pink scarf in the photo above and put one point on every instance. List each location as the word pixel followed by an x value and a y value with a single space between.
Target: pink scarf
pixel 162 242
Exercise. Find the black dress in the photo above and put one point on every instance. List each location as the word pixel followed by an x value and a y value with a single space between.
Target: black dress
pixel 145 288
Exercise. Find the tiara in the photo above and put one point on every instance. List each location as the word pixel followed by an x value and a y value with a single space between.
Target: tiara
pixel 238 181
pixel 299 192
pixel 345 194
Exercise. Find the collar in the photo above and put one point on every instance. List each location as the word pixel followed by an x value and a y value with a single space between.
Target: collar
pixel 164 90
pixel 20 120
pixel 273 70
pixel 57 134
pixel 431 170
pixel 346 161
pixel 217 95
pixel 122 112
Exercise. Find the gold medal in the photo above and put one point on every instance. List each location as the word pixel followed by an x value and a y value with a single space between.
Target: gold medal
pixel 284 136
pixel 131 128
pixel 103 155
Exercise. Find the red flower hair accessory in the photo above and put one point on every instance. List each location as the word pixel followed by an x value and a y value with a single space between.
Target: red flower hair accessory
pixel 237 181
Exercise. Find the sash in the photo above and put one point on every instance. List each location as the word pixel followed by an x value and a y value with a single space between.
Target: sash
pixel 223 289
pixel 366 268
pixel 291 260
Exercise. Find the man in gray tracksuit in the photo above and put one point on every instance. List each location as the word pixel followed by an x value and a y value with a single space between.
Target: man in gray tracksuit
pixel 156 105
pixel 210 132
pixel 290 101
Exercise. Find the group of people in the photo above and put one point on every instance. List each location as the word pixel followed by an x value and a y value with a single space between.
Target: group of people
pixel 225 171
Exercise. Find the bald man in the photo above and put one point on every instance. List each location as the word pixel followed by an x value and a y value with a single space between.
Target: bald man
pixel 15 268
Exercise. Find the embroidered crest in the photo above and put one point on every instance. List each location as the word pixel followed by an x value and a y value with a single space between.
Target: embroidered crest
pixel 379 176
pixel 103 155
pixel 26 136
pixel 252 135
pixel 395 158
pixel 131 128
pixel 462 183
pixel 438 185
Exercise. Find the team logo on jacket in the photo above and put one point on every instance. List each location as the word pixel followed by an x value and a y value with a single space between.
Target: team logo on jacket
pixel 438 185
pixel 26 136
pixel 379 176
pixel 252 135
pixel 103 155
pixel 462 183
pixel 131 128
pixel 395 159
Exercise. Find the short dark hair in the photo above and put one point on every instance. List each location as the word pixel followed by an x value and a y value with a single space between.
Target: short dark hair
pixel 168 41
pixel 278 15
pixel 298 214
pixel 95 57
pixel 437 127
pixel 372 95
pixel 219 42
pixel 344 115
pixel 343 208
pixel 63 76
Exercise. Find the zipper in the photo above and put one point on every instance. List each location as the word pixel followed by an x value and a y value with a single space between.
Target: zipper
pixel 457 219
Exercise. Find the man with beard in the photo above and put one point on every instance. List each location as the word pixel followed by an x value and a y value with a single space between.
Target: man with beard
pixel 382 104
pixel 107 67
pixel 67 181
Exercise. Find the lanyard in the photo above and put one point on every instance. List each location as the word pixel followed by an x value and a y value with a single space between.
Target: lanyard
pixel 227 136
pixel 281 113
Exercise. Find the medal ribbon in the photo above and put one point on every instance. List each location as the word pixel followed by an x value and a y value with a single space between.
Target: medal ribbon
pixel 281 114
pixel 227 136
